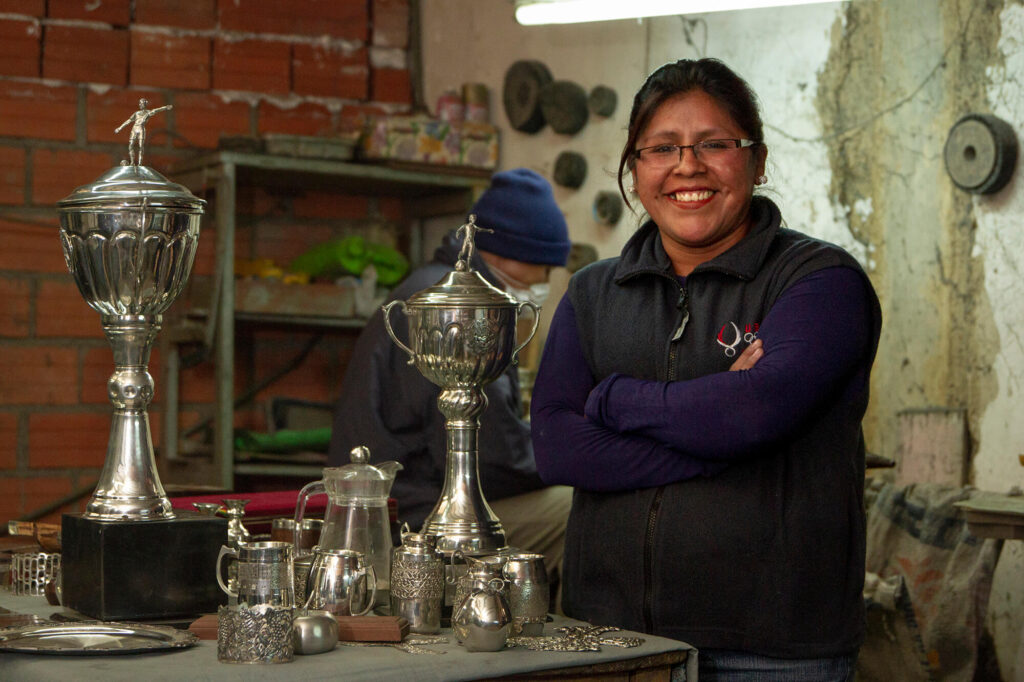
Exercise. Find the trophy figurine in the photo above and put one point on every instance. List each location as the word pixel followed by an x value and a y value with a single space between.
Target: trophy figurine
pixel 129 240
pixel 462 333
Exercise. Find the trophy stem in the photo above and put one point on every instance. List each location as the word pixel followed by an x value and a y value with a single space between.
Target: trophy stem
pixel 462 518
pixel 129 487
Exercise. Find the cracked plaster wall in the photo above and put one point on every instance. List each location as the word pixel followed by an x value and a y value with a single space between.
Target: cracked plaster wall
pixel 858 99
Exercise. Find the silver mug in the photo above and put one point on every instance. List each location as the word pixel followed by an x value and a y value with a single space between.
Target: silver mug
pixel 529 593
pixel 338 582
pixel 265 573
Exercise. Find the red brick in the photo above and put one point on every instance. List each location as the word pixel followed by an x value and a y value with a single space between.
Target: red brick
pixel 354 117
pixel 108 11
pixel 31 247
pixel 15 307
pixel 59 441
pixel 8 440
pixel 258 201
pixel 206 252
pixel 57 172
pixel 330 205
pixel 391 23
pixel 283 242
pixel 254 65
pixel 62 312
pixel 12 175
pixel 86 54
pixel 39 375
pixel 307 118
pixel 391 208
pixel 314 379
pixel 107 110
pixel 347 19
pixel 37 110
pixel 162 60
pixel 201 119
pixel 97 366
pixel 198 384
pixel 19 47
pixel 39 492
pixel 391 85
pixel 201 14
pixel 10 496
pixel 330 71
pixel 32 8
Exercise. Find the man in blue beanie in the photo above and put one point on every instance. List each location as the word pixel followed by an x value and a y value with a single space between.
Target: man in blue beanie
pixel 388 406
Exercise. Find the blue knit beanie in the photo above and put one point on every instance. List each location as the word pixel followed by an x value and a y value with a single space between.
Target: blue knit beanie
pixel 528 225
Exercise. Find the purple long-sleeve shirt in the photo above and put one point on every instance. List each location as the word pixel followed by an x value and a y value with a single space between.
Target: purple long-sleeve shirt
pixel 625 433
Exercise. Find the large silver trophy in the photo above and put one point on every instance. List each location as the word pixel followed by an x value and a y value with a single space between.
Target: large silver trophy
pixel 462 333
pixel 130 239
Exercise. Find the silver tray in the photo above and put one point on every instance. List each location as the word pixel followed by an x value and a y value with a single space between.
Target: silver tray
pixel 93 638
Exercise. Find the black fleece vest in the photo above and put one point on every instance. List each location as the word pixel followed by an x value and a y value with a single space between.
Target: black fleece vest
pixel 767 556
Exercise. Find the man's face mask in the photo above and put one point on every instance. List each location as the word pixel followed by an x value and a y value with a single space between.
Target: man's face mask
pixel 534 293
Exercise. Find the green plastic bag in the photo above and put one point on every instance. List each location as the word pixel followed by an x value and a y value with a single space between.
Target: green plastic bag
pixel 350 256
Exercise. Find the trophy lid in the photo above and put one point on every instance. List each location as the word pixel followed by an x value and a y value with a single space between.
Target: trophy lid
pixel 131 186
pixel 463 286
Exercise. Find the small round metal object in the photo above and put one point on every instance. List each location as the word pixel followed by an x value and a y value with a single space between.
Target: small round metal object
pixel 314 632
pixel 564 105
pixel 602 100
pixel 570 170
pixel 980 153
pixel 521 94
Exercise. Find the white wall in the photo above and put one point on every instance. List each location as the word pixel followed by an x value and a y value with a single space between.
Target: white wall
pixel 896 219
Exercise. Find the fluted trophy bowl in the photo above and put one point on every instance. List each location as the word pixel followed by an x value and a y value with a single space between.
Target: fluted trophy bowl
pixel 462 336
pixel 129 240
pixel 133 257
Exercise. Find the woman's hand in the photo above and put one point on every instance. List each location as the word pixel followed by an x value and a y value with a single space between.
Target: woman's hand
pixel 749 357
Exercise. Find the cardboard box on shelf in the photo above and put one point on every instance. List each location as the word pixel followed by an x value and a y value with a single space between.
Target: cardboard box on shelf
pixel 421 139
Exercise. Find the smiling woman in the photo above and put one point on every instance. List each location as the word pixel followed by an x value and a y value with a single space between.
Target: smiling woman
pixel 703 392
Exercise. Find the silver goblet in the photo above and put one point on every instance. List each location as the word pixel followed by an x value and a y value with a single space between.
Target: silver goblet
pixel 463 336
pixel 129 240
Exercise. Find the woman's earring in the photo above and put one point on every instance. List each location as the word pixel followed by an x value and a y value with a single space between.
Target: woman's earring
pixel 632 189
pixel 760 180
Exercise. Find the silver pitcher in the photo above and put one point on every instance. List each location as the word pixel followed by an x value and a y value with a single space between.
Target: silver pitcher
pixel 265 574
pixel 462 336
pixel 341 581
pixel 417 583
pixel 529 593
pixel 129 240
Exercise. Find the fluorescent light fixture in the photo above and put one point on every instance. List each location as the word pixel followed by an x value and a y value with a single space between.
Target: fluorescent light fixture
pixel 535 12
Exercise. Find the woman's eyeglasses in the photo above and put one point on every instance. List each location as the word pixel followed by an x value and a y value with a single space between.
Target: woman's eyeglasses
pixel 661 155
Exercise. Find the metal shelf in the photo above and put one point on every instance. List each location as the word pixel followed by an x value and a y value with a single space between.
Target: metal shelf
pixel 425 192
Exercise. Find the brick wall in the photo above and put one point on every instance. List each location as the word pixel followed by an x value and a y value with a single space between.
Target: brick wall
pixel 73 70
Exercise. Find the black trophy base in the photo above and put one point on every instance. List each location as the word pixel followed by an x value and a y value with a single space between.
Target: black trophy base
pixel 142 570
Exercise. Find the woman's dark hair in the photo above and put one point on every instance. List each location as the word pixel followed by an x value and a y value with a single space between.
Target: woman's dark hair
pixel 676 78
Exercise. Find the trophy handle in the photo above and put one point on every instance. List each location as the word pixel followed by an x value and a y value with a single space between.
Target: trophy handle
pixel 391 332
pixel 536 321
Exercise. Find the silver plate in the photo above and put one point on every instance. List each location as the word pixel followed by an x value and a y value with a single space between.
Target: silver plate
pixel 93 638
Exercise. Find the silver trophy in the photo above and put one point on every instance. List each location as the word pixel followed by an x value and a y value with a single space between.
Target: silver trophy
pixel 462 333
pixel 130 239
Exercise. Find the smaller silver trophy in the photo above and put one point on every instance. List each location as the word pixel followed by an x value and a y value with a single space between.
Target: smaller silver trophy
pixel 129 240
pixel 463 336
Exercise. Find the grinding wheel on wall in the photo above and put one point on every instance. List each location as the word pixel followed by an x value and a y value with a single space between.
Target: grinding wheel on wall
pixel 564 105
pixel 521 94
pixel 980 153
pixel 570 170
